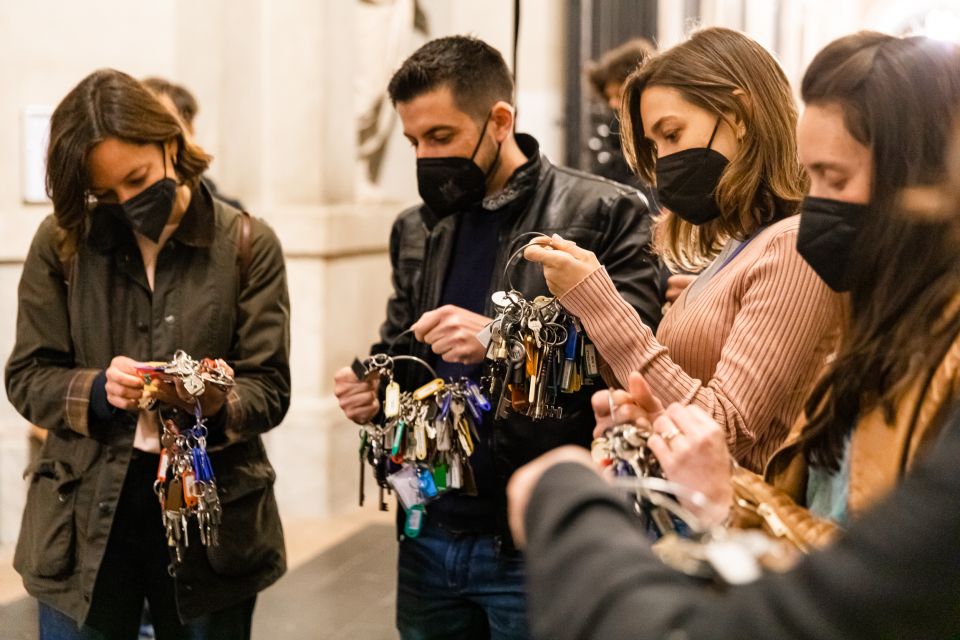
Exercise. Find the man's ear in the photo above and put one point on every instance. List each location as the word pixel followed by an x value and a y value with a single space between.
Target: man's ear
pixel 501 120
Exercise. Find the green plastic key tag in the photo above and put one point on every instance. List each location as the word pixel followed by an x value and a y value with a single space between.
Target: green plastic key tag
pixel 414 522
pixel 440 476
pixel 401 425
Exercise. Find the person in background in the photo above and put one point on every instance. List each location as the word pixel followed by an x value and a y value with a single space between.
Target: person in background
pixel 181 102
pixel 607 77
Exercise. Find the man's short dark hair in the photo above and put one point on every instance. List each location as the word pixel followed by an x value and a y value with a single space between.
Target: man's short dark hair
pixel 474 71
pixel 182 99
pixel 617 63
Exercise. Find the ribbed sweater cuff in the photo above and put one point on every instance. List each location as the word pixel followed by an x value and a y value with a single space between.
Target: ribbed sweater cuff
pixel 612 324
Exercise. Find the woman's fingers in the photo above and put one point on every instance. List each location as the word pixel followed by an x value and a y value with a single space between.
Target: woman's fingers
pixel 643 395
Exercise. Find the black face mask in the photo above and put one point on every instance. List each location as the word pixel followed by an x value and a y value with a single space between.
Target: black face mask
pixel 828 231
pixel 148 211
pixel 687 179
pixel 452 184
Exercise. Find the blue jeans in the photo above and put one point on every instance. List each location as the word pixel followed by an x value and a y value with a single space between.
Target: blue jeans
pixel 459 586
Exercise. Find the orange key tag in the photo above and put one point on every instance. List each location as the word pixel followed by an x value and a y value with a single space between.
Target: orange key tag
pixel 163 466
pixel 190 496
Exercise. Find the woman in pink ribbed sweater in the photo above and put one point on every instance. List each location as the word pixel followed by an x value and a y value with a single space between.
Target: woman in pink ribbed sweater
pixel 711 122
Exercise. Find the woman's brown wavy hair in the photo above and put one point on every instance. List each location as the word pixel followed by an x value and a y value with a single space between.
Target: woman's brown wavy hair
pixel 728 74
pixel 107 104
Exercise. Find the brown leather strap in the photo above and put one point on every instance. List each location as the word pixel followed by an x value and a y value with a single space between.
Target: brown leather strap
pixel 244 248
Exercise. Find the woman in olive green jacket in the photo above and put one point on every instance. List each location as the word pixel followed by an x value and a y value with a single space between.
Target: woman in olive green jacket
pixel 138 261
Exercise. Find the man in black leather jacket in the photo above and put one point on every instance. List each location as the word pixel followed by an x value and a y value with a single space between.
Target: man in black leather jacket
pixel 483 186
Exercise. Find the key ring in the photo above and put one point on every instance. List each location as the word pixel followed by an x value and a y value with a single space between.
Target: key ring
pixel 396 338
pixel 380 361
pixel 506 267
pixel 419 361
pixel 558 332
pixel 384 363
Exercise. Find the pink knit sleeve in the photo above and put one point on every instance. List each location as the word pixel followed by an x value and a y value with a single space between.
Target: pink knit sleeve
pixel 775 348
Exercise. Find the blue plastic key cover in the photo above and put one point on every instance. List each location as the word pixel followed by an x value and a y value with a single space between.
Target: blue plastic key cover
pixel 445 404
pixel 482 403
pixel 570 349
pixel 472 406
pixel 428 487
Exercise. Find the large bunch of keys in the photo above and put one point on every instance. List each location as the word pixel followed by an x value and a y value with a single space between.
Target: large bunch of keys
pixel 622 450
pixel 680 538
pixel 185 485
pixel 422 445
pixel 194 375
pixel 536 352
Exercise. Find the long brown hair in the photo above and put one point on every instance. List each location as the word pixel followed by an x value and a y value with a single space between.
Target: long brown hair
pixel 898 97
pixel 726 73
pixel 107 104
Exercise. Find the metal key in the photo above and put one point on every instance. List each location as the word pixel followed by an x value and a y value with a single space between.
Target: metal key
pixel 364 450
pixel 534 325
pixel 420 432
pixel 463 431
pixel 214 511
pixel 203 518
pixel 193 384
pixel 455 472
pixel 172 512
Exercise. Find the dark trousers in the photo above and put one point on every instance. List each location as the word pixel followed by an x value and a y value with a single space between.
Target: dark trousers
pixel 134 570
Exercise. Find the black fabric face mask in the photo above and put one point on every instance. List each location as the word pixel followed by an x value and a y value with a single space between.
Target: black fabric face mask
pixel 147 212
pixel 686 181
pixel 828 231
pixel 452 184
